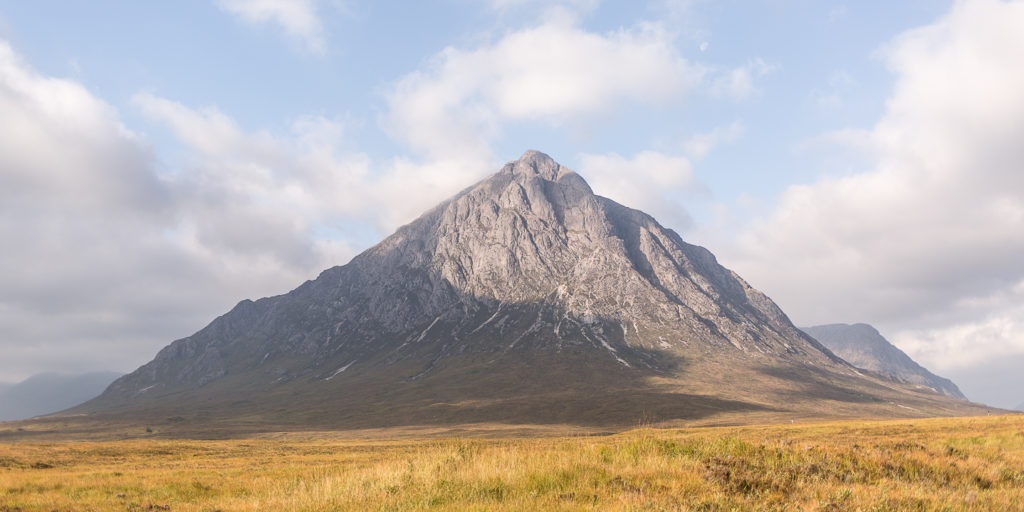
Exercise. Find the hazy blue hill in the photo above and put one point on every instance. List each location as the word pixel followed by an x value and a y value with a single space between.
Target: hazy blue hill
pixel 862 346
pixel 50 392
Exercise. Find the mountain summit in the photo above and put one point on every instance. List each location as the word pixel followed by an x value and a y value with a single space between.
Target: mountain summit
pixel 525 298
pixel 864 347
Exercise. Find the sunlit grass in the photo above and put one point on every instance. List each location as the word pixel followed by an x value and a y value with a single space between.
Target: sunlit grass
pixel 939 464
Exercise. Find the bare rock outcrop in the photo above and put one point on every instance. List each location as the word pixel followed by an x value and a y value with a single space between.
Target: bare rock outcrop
pixel 525 288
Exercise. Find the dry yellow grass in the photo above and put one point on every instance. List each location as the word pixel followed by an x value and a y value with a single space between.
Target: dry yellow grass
pixel 935 464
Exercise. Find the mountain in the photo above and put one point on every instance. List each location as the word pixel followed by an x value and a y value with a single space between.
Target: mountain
pixel 525 298
pixel 862 346
pixel 50 392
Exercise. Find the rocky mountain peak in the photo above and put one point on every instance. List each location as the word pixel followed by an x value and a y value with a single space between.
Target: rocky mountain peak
pixel 520 284
pixel 534 163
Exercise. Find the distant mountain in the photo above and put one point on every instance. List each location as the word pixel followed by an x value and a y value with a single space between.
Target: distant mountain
pixel 50 392
pixel 1020 407
pixel 525 298
pixel 862 346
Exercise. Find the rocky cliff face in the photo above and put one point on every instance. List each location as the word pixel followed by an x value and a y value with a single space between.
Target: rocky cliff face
pixel 522 286
pixel 862 346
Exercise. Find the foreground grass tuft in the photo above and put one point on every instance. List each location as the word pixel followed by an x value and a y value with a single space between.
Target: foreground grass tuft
pixel 939 464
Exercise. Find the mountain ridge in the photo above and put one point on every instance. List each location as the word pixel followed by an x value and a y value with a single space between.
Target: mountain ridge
pixel 864 347
pixel 525 292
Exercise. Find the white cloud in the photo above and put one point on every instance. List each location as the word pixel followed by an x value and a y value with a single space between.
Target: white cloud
pixel 831 98
pixel 699 145
pixel 740 83
pixel 994 330
pixel 550 73
pixel 301 175
pixel 840 78
pixel 107 256
pixel 298 18
pixel 936 219
pixel 297 179
pixel 76 223
pixel 649 181
pixel 578 5
pixel 555 74
pixel 678 9
pixel 837 13
pixel 51 113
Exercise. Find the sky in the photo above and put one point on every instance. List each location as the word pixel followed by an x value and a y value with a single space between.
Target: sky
pixel 857 161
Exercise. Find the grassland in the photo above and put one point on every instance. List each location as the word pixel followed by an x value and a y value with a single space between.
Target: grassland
pixel 934 464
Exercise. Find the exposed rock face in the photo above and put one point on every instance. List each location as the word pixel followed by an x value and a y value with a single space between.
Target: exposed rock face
pixel 523 287
pixel 862 346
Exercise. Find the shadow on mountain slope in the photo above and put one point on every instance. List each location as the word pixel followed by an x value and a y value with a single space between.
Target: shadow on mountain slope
pixel 544 377
pixel 525 298
pixel 809 383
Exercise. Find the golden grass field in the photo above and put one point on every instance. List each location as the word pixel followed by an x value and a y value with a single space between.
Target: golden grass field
pixel 931 464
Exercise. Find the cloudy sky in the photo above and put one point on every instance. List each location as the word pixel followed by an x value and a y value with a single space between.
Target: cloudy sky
pixel 857 161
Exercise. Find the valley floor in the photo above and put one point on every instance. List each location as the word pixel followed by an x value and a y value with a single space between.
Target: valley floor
pixel 972 463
